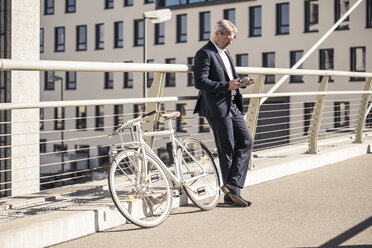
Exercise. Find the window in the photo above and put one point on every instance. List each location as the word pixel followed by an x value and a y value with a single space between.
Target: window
pixel 41 40
pixel 99 36
pixel 128 78
pixel 118 115
pixel 81 115
pixel 43 145
pixel 70 6
pixel 128 2
pixel 159 33
pixel 70 80
pixel 282 18
pixel 255 21
pixel 103 157
pixel 326 61
pixel 369 118
pixel 109 80
pixel 59 148
pixel 229 14
pixel 341 7
pixel 41 124
pixel 182 28
pixel 357 61
pixel 308 110
pixel 203 125
pixel 296 56
pixel 118 39
pixel 205 25
pixel 369 14
pixel 149 1
pixel 190 75
pixel 138 109
pixel 138 32
pixel 161 121
pixel 311 15
pixel 84 152
pixel 109 4
pixel 49 7
pixel 99 117
pixel 342 114
pixel 268 60
pixel 150 75
pixel 170 78
pixel 59 116
pixel 59 39
pixel 81 38
pixel 242 60
pixel 182 121
pixel 49 80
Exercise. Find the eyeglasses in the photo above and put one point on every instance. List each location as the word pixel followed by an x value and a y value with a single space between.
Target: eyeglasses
pixel 228 37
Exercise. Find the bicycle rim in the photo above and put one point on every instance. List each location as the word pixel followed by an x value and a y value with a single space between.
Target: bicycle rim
pixel 143 200
pixel 199 174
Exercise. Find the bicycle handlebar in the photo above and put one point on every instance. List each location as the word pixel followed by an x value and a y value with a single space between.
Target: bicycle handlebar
pixel 130 122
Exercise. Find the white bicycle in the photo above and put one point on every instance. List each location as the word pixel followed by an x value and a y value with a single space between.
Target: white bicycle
pixel 142 186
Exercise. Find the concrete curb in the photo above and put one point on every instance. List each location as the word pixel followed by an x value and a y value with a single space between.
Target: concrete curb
pixel 74 222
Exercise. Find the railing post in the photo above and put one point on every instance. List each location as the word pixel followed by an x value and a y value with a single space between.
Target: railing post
pixel 156 90
pixel 361 117
pixel 316 118
pixel 251 116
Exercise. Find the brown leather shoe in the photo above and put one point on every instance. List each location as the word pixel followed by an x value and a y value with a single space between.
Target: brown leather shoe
pixel 230 198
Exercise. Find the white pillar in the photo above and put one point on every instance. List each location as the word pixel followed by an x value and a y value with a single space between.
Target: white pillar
pixel 25 38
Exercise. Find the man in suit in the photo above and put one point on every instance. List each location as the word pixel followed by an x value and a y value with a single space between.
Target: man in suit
pixel 220 101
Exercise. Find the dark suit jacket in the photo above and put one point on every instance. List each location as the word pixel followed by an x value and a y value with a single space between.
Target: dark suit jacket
pixel 212 80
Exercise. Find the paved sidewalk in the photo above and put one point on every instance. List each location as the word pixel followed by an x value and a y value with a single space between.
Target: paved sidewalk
pixel 325 207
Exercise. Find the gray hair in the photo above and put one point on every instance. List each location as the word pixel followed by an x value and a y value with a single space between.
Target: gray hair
pixel 225 25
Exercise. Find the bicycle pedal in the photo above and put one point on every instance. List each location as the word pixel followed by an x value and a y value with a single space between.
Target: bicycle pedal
pixel 201 191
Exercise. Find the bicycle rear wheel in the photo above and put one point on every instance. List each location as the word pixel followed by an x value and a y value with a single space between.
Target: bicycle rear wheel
pixel 199 173
pixel 145 200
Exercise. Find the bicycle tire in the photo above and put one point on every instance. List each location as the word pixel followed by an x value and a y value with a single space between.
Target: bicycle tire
pixel 145 202
pixel 203 190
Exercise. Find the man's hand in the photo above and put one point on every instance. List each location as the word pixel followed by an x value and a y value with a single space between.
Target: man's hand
pixel 235 84
pixel 246 81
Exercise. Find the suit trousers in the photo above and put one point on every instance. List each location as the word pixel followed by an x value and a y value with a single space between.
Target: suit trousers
pixel 234 145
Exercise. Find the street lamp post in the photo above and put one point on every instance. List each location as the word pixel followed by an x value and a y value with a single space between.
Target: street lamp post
pixel 156 16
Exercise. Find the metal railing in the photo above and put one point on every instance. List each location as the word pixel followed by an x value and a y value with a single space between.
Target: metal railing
pixel 80 154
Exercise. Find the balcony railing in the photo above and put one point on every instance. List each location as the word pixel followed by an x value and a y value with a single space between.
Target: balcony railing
pixel 73 147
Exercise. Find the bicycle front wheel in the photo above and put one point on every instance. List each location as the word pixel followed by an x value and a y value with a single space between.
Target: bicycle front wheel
pixel 144 199
pixel 199 173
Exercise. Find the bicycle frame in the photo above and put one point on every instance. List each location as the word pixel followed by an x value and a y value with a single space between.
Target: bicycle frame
pixel 144 148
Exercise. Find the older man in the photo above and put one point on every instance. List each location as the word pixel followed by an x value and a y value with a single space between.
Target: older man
pixel 220 101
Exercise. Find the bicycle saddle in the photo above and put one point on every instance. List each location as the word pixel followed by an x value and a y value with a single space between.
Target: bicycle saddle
pixel 173 115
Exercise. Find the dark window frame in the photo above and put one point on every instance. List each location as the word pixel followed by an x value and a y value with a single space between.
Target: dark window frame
pixel 43 145
pixel 81 117
pixel 227 13
pixel 41 40
pixel 59 46
pixel 293 61
pixel 49 9
pixel 119 34
pixel 49 84
pixel 253 27
pixel 70 6
pixel 81 45
pixel 59 123
pixel 128 78
pixel 138 39
pixel 71 81
pixel 118 114
pixel 345 25
pixel 190 75
pixel 181 37
pixel 108 80
pixel 368 13
pixel 170 77
pixel 109 4
pixel 279 19
pixel 150 75
pixel 181 122
pixel 128 3
pixel 322 64
pixel 353 60
pixel 269 79
pixel 99 117
pixel 308 12
pixel 99 43
pixel 159 38
pixel 240 62
pixel 149 1
pixel 204 31
pixel 338 114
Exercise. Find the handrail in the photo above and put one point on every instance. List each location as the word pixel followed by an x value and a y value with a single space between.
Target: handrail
pixel 56 65
pixel 49 104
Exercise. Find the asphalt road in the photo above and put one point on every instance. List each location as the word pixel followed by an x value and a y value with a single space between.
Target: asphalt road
pixel 326 207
